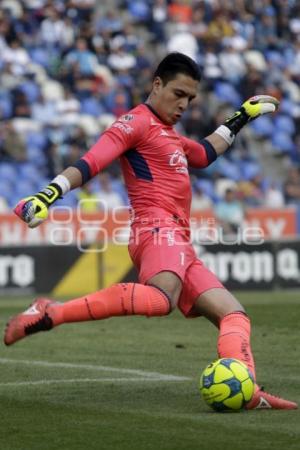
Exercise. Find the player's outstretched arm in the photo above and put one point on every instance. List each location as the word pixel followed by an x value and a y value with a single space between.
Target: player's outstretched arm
pixel 34 209
pixel 251 109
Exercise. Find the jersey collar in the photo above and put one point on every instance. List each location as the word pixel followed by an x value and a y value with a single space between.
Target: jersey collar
pixel 155 113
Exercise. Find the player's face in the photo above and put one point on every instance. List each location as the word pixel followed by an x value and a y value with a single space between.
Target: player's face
pixel 172 99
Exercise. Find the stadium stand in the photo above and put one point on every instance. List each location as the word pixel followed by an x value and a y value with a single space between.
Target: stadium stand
pixel 68 68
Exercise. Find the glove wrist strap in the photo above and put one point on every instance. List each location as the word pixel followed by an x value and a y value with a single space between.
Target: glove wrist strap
pixel 225 134
pixel 50 194
pixel 236 122
pixel 63 183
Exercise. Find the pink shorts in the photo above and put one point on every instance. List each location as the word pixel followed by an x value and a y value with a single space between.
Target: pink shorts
pixel 169 249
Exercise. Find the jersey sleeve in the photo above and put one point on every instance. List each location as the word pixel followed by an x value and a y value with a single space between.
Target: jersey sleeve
pixel 199 154
pixel 123 135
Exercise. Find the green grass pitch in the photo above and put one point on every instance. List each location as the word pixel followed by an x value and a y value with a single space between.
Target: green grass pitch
pixel 132 383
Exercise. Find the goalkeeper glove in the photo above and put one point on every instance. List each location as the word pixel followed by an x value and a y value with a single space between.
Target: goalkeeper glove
pixel 34 209
pixel 250 110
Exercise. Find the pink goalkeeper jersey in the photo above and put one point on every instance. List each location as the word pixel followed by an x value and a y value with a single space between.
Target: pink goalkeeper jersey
pixel 154 159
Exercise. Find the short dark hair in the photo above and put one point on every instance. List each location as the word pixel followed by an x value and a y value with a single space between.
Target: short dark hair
pixel 175 63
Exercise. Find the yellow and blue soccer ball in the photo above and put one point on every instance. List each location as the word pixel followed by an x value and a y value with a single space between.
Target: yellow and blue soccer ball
pixel 227 385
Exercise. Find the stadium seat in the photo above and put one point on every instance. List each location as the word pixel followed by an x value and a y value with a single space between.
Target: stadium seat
pixel 229 170
pixel 8 172
pixel 31 90
pixel 118 186
pixel 250 170
pixel 283 143
pixel 91 106
pixel 263 127
pixel 52 90
pixel 29 172
pixel 139 10
pixel 227 93
pixel 6 189
pixel 24 188
pixel 207 187
pixel 105 121
pixel 36 157
pixel 5 106
pixel 275 58
pixel 34 139
pixel 287 106
pixel 40 56
pixel 285 124
pixel 69 200
pixel 25 125
pixel 222 184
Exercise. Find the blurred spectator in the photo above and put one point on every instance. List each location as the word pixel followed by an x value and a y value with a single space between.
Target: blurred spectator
pixel 183 41
pixel 20 104
pixel 197 123
pixel 200 200
pixel 17 56
pixel 80 62
pixel 4 208
pixel 139 10
pixel 159 18
pixel 67 108
pixel 83 9
pixel 107 195
pixel 26 27
pixel 88 200
pixel 219 27
pixel 79 137
pixel 109 22
pixel 8 80
pixel 274 197
pixel 252 83
pixel 180 11
pixel 292 187
pixel 12 146
pixel 244 27
pixel 120 59
pixel 231 60
pixel 251 191
pixel 265 30
pixel 70 154
pixel 44 111
pixel 229 213
pixel 52 28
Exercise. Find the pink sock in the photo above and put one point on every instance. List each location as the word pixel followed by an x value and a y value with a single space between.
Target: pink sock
pixel 234 339
pixel 118 300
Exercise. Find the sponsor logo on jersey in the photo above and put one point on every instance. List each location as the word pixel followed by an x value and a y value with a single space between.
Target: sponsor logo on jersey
pixel 123 127
pixel 179 161
pixel 126 118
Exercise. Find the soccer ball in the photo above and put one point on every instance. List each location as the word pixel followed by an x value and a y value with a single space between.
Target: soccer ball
pixel 227 385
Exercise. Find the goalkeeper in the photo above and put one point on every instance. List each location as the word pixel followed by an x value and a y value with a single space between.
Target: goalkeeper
pixel 155 159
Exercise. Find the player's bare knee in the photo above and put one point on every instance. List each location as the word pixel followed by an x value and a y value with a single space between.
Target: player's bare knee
pixel 172 301
pixel 173 304
pixel 216 304
pixel 170 284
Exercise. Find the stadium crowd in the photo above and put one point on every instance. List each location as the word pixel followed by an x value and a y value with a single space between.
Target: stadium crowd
pixel 69 68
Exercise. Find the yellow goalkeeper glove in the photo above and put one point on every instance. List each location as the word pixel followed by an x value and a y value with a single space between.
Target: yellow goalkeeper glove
pixel 250 110
pixel 34 209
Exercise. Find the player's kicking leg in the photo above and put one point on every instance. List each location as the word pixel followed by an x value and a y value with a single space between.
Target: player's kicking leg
pixel 157 299
pixel 219 306
pixel 35 318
